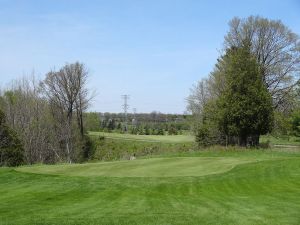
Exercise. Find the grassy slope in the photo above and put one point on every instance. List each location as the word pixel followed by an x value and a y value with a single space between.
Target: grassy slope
pixel 266 192
pixel 121 146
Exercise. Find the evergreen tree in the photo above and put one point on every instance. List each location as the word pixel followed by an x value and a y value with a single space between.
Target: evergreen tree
pixel 246 109
pixel 11 150
pixel 111 124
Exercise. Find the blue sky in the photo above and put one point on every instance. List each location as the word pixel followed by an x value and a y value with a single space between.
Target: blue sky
pixel 152 50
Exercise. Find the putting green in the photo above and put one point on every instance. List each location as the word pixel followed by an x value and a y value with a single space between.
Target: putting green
pixel 155 167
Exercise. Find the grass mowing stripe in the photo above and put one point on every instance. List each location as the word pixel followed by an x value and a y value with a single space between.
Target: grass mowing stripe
pixel 265 192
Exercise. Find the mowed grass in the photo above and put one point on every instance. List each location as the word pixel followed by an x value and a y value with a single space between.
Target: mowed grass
pixel 155 167
pixel 237 188
pixel 147 138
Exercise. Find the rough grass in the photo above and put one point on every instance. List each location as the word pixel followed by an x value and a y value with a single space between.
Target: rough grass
pixel 266 191
pixel 121 146
pixel 284 140
pixel 108 149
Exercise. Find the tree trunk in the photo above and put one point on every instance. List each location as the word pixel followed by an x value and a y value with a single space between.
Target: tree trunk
pixel 243 140
pixel 255 139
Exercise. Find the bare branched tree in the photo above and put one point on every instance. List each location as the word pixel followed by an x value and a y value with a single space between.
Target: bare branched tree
pixel 67 94
pixel 27 113
pixel 198 97
pixel 276 48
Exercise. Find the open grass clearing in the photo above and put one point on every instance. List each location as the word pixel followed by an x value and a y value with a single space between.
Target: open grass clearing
pixel 287 140
pixel 147 138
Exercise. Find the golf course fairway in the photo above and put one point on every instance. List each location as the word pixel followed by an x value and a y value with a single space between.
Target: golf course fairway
pixel 236 188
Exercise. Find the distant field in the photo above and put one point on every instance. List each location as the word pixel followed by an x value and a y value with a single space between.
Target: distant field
pixel 288 140
pixel 147 138
pixel 208 187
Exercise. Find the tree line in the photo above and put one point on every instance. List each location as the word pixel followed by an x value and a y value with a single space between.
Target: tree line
pixel 253 86
pixel 154 123
pixel 42 121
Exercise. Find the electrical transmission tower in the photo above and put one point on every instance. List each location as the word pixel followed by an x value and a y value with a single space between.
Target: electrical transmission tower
pixel 125 108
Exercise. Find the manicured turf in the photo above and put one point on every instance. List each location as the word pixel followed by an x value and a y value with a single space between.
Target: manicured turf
pixel 156 167
pixel 147 138
pixel 261 188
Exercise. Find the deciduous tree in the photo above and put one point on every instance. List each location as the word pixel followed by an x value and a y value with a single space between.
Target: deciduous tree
pixel 277 50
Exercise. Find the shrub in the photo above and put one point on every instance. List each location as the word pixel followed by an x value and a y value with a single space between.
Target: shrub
pixel 11 149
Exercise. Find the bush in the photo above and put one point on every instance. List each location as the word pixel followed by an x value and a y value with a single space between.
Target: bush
pixel 87 147
pixel 203 137
pixel 11 149
pixel 295 120
pixel 172 130
pixel 208 134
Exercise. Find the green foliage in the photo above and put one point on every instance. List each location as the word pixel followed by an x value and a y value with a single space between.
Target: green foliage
pixel 208 134
pixel 108 149
pixel 243 110
pixel 207 130
pixel 172 130
pixel 92 121
pixel 203 136
pixel 295 122
pixel 11 96
pixel 246 105
pixel 160 131
pixel 282 124
pixel 287 140
pixel 11 149
pixel 147 130
pixel 141 124
pixel 86 149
